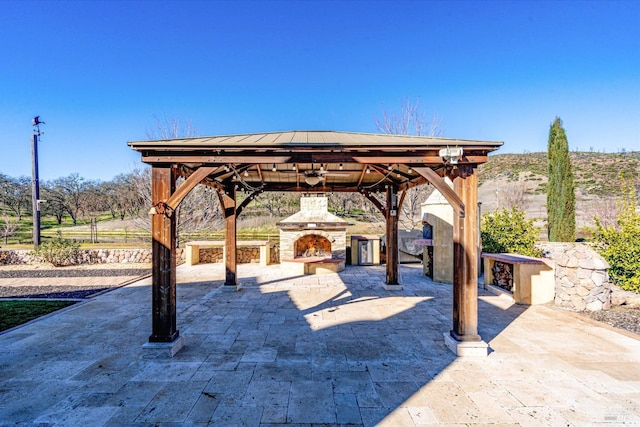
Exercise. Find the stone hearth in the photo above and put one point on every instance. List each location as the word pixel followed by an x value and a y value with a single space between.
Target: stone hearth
pixel 313 240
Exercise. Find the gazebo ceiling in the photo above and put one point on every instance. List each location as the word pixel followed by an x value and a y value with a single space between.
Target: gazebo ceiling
pixel 313 161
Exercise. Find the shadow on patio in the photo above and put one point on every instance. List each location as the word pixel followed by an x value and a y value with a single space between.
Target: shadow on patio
pixel 331 349
pixel 327 349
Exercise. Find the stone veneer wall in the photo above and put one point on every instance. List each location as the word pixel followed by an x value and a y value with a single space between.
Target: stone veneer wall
pixel 125 256
pixel 582 282
pixel 90 256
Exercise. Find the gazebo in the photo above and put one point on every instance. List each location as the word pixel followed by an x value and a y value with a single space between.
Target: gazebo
pixel 316 162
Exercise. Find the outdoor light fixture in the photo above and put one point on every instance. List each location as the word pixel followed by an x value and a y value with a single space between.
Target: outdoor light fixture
pixel 451 155
pixel 293 167
pixel 409 170
pixel 273 169
pixel 368 169
pixel 246 173
pixel 340 167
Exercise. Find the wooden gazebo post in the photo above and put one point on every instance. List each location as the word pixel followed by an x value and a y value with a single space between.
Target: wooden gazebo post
pixel 464 339
pixel 391 221
pixel 165 335
pixel 228 201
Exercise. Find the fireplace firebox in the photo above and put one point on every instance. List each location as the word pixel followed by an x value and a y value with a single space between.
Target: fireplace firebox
pixel 313 240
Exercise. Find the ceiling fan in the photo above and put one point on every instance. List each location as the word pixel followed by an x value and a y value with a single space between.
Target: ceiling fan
pixel 314 177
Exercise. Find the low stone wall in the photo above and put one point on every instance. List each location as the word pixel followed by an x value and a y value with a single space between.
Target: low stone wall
pixel 127 256
pixel 90 256
pixel 244 255
pixel 15 257
pixel 582 282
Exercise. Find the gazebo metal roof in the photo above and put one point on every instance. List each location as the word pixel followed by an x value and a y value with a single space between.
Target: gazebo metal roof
pixel 280 161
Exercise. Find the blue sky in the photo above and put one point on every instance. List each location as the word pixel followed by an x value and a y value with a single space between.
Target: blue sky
pixel 97 72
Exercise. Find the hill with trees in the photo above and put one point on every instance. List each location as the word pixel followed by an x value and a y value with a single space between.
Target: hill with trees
pixel 121 205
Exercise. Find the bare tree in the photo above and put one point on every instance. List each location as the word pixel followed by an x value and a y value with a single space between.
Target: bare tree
pixel 9 227
pixel 15 194
pixel 65 195
pixel 606 210
pixel 411 211
pixel 343 202
pixel 200 210
pixel 277 203
pixel 171 128
pixel 410 119
pixel 121 197
pixel 514 195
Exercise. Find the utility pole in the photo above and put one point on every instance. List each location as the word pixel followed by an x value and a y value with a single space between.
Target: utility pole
pixel 35 183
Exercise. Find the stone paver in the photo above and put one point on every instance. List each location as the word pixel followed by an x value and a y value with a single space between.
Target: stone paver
pixel 334 349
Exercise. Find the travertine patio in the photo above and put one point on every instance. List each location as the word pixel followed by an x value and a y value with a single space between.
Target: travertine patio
pixel 330 349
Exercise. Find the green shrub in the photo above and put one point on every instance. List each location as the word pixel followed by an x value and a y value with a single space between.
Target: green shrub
pixel 620 244
pixel 59 251
pixel 507 231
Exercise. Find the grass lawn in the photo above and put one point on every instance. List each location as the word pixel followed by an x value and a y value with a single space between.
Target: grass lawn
pixel 14 313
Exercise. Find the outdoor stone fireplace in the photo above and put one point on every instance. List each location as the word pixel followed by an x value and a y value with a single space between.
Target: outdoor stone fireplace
pixel 313 240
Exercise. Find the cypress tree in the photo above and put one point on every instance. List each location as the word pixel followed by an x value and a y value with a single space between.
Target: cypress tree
pixel 561 199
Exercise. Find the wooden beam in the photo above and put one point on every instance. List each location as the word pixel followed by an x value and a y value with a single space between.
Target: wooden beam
pixel 386 174
pixel 247 200
pixel 163 230
pixel 401 201
pixel 375 202
pixel 260 174
pixel 215 160
pixel 362 173
pixel 185 188
pixel 230 239
pixel 392 236
pixel 465 260
pixel 416 160
pixel 440 185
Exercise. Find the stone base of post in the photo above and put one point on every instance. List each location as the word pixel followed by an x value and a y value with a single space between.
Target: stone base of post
pixel 466 348
pixel 162 349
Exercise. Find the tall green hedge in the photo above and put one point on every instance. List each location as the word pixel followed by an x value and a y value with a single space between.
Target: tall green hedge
pixel 507 231
pixel 561 198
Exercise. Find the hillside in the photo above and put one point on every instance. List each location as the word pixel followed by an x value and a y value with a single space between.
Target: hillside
pixel 506 178
pixel 595 174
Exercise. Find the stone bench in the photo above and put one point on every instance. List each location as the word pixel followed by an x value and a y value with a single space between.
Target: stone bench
pixel 533 278
pixel 193 249
pixel 312 265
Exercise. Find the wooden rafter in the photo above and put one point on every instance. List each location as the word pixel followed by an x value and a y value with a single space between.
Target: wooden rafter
pixel 375 202
pixel 194 179
pixel 248 200
pixel 444 189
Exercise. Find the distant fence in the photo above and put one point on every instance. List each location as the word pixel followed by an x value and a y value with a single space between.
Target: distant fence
pixel 133 237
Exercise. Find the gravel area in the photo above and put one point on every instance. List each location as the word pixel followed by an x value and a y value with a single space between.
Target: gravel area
pixel 52 292
pixel 74 282
pixel 627 318
pixel 12 274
